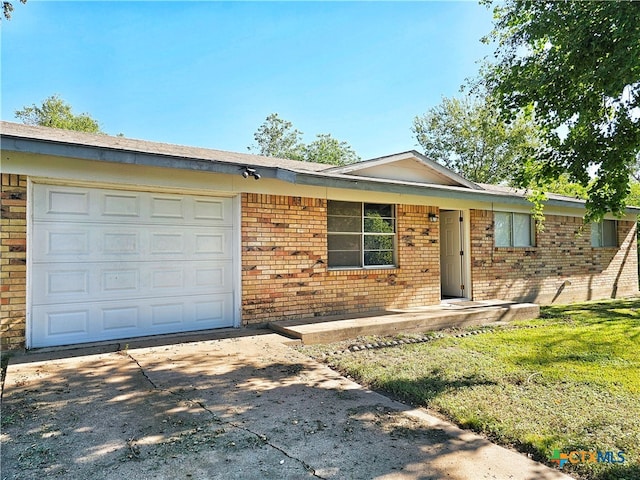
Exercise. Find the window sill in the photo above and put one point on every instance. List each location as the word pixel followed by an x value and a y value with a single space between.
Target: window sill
pixel 347 270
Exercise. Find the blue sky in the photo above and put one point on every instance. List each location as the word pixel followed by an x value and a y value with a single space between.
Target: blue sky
pixel 208 73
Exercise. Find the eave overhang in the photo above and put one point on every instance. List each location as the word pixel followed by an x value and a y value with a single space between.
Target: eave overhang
pixel 327 179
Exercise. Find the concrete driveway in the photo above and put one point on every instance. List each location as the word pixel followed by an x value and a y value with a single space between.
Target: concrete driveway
pixel 236 408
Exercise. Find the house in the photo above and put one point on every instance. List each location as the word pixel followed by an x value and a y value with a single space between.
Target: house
pixel 107 237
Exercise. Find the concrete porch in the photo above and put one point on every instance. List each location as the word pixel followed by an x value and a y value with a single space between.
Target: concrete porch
pixel 450 313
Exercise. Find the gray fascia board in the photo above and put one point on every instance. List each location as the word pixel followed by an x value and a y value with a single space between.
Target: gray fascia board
pixel 102 154
pixel 426 191
pixel 431 191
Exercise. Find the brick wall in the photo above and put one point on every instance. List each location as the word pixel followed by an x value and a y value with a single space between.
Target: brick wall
pixel 561 268
pixel 13 257
pixel 285 272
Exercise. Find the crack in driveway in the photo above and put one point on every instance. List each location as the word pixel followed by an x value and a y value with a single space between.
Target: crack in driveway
pixel 263 438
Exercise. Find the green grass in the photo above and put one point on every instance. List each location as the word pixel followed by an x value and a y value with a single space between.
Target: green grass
pixel 571 383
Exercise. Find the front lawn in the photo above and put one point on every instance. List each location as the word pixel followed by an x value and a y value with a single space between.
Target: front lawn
pixel 569 381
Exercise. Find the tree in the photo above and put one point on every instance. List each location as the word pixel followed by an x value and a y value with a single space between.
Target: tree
pixel 634 195
pixel 635 173
pixel 7 9
pixel 326 149
pixel 55 112
pixel 562 185
pixel 577 65
pixel 468 137
pixel 277 138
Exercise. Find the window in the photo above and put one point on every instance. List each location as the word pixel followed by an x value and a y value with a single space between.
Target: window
pixel 361 234
pixel 604 234
pixel 513 229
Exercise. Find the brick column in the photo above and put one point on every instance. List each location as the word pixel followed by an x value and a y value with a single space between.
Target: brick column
pixel 13 261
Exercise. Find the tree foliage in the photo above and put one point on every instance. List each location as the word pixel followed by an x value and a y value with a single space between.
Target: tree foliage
pixel 563 186
pixel 7 9
pixel 577 64
pixel 277 137
pixel 326 149
pixel 468 137
pixel 56 113
pixel 633 198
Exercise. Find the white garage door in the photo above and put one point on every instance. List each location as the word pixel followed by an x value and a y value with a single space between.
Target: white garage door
pixel 108 264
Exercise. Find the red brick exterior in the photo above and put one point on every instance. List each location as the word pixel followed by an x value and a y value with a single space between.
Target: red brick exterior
pixel 285 272
pixel 563 267
pixel 13 259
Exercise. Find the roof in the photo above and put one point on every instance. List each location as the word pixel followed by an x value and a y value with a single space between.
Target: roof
pixel 521 192
pixel 115 143
pixel 376 175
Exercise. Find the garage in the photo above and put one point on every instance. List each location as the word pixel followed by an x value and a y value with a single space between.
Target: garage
pixel 107 264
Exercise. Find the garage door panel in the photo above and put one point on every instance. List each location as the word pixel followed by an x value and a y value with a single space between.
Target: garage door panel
pixel 118 279
pixel 67 322
pixel 59 203
pixel 69 242
pixel 62 204
pixel 167 207
pixel 118 318
pixel 85 242
pixel 61 325
pixel 79 282
pixel 166 242
pixel 115 244
pixel 167 278
pixel 121 205
pixel 66 282
pixel 64 243
pixel 167 314
pixel 216 210
pixel 65 325
pixel 197 242
pixel 214 276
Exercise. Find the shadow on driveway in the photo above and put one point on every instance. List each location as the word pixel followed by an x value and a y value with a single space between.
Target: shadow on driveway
pixel 242 408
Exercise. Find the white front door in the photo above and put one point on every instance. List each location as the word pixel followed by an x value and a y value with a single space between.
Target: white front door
pixel 451 253
pixel 108 264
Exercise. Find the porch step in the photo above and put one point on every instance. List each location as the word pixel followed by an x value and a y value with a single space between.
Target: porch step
pixel 455 314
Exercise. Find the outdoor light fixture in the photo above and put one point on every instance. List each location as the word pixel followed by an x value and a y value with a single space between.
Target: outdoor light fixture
pixel 433 217
pixel 250 172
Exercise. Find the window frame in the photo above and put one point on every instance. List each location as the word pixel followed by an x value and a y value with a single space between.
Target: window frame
pixel 512 231
pixel 364 237
pixel 600 240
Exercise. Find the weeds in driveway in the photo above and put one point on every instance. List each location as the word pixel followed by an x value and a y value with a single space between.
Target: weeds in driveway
pixel 571 384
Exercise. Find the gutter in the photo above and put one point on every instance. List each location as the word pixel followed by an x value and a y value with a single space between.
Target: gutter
pixel 9 143
pixel 386 186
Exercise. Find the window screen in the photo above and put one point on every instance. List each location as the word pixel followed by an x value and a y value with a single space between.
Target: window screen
pixel 604 234
pixel 513 229
pixel 361 234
